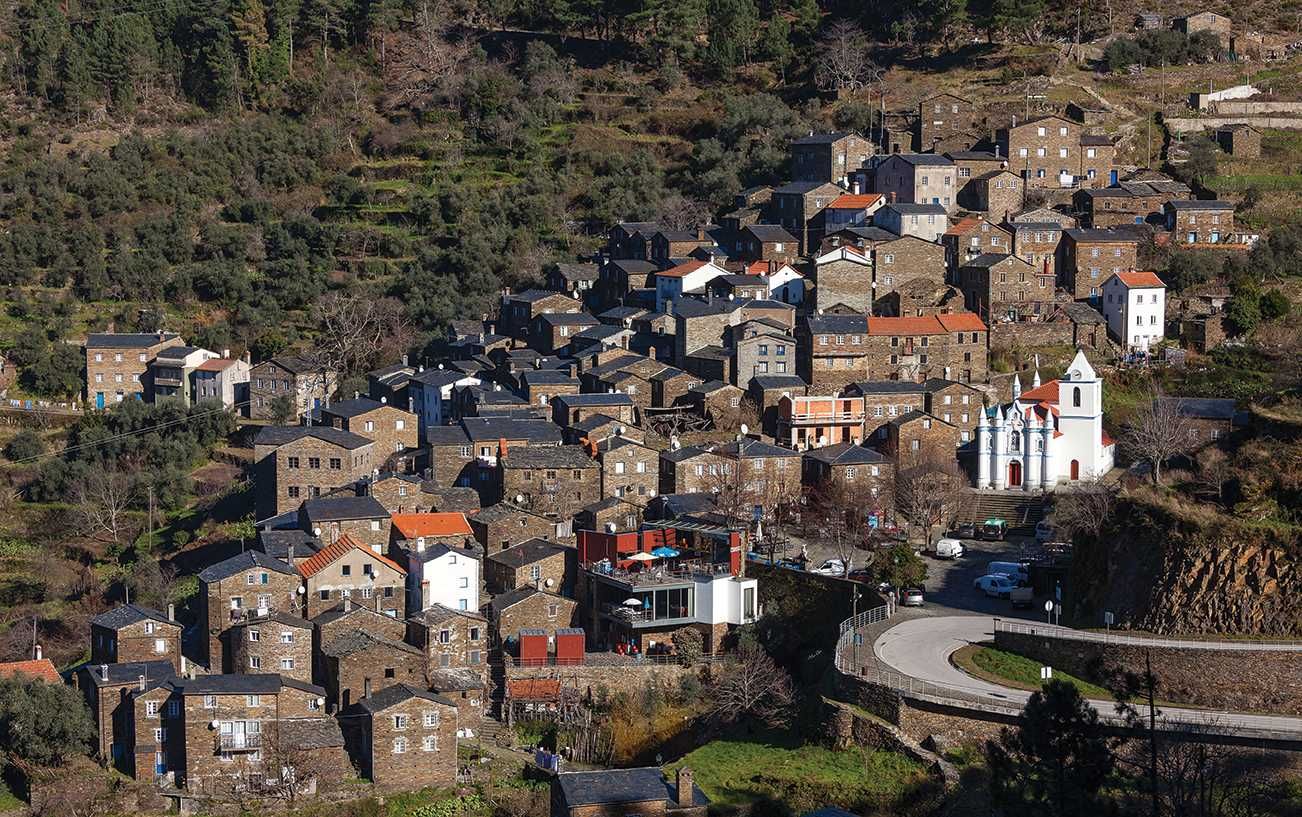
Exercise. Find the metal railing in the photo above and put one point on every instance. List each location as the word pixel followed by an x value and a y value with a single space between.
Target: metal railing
pixel 609 659
pixel 1140 639
pixel 249 742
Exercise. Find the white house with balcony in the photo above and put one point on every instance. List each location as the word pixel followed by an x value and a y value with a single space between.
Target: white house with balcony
pixel 1134 305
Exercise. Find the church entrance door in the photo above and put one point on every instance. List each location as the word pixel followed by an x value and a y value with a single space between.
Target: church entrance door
pixel 1014 474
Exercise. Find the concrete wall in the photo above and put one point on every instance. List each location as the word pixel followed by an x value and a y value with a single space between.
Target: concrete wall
pixel 1259 680
pixel 1255 108
pixel 1186 124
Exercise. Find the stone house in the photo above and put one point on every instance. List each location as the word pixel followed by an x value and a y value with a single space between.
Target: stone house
pixel 133 633
pixel 1116 206
pixel 398 493
pixel 1005 287
pixel 959 404
pixel 951 345
pixel 553 331
pixel 631 239
pixel 668 244
pixel 1053 151
pixel 466 455
pixel 571 408
pixel 670 386
pixel 828 157
pixel 1088 257
pixel 348 569
pixel 844 276
pixel 390 384
pixel 832 351
pixel 519 310
pixel 970 165
pixel 1045 215
pixel 403 737
pixel 171 373
pixel 615 792
pixel 917 437
pixel 998 194
pixel 849 210
pixel 629 469
pixel 361 663
pixel 295 463
pixel 761 348
pixel 107 690
pixel 361 517
pixel 860 470
pixel 346 618
pixel 1036 243
pixel 970 237
pixel 885 400
pixel 1240 141
pixel 796 204
pixel 1218 24
pixel 450 639
pixel 948 122
pixel 766 391
pixel 393 430
pixel 610 514
pixel 768 242
pixel 529 607
pixel 1206 419
pixel 619 277
pixel 539 387
pixel 598 428
pixel 765 469
pixel 925 221
pixel 687 470
pixel 555 481
pixel 117 365
pixel 416 531
pixel 917 298
pixel 503 525
pixel 466 689
pixel 1200 221
pixel 904 262
pixel 305 384
pixel 721 402
pixel 277 642
pixel 223 379
pixel 240 586
pixel 535 563
pixel 917 178
pixel 572 279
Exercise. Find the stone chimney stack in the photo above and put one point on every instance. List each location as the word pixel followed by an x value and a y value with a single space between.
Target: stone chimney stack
pixel 684 787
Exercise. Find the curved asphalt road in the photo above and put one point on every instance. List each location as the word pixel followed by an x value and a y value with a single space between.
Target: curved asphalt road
pixel 920 648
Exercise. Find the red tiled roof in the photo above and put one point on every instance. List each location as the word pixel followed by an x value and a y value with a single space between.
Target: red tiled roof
pixel 962 322
pixel 412 525
pixel 924 325
pixel 1107 440
pixel 1140 278
pixel 681 270
pixel 533 689
pixel 851 201
pixel 963 225
pixel 41 669
pixel 341 547
pixel 1046 393
pixel 216 364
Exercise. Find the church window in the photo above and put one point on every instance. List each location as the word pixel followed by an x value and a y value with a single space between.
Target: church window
pixel 1075 397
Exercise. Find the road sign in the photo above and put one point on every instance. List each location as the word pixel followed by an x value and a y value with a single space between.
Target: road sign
pixel 1046 673
pixel 1048 607
pixel 1109 619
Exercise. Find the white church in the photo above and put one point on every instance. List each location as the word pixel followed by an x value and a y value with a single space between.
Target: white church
pixel 1050 434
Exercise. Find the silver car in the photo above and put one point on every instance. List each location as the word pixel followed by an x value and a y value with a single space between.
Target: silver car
pixel 912 597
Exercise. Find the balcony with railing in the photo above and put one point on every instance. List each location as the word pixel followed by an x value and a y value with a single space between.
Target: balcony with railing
pixel 246 742
pixel 680 575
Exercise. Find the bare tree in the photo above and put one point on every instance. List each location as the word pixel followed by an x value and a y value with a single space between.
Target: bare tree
pixel 290 770
pixel 930 492
pixel 752 685
pixel 1082 509
pixel 836 513
pixel 427 60
pixel 1214 470
pixel 1157 432
pixel 678 212
pixel 103 500
pixel 844 64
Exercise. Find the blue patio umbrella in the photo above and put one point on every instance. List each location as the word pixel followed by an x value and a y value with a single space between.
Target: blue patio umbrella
pixel 663 552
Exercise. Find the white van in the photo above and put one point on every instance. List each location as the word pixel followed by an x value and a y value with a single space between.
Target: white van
pixel 947 549
pixel 1013 570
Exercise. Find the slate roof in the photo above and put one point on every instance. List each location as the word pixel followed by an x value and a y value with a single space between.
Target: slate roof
pixel 340 508
pixel 990 259
pixel 797 188
pixel 1099 235
pixel 352 407
pixel 496 428
pixel 547 456
pixel 126 340
pixel 177 352
pixel 294 364
pixel 1203 408
pixel 438 378
pixel 1200 204
pixel 613 786
pixel 310 733
pixel 888 387
pixel 924 159
pixel 870 233
pixel 241 562
pixel 1083 313
pixel 911 209
pixel 838 324
pixel 502 601
pixel 568 319
pixel 846 454
pixel 127 614
pixel 279 617
pixel 438 613
pixel 455 679
pixel 747 448
pixel 280 435
pixel 595 400
pixel 127 673
pixel 778 381
pixel 527 552
pixel 910 416
pixel 577 272
pixel 770 233
pixel 357 640
pixel 392 696
pixel 822 138
pixel 501 511
pixel 230 684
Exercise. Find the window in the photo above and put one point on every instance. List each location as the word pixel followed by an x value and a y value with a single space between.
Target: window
pixel 368 592
pixel 399 745
pixel 313 462
pixel 431 718
pixel 535 573
pixel 399 721
pixel 255 635
pixel 850 472
pixel 253 701
pixel 286 638
pixel 151 708
pixel 429 743
pixel 336 464
pixel 1075 397
pixel 255 662
pixel 160 735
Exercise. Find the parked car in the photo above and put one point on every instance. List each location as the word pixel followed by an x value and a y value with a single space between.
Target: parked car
pixel 1013 570
pixel 992 530
pixel 946 549
pixel 963 530
pixel 912 597
pixel 1043 531
pixel 860 574
pixel 832 567
pixel 1022 597
pixel 995 585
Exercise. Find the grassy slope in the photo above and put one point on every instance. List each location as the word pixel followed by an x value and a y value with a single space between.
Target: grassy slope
pixel 1017 671
pixel 735 771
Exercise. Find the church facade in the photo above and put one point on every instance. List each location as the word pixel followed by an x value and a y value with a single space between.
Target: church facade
pixel 1049 435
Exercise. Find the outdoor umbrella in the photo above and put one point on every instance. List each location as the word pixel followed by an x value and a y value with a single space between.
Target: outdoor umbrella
pixel 663 552
pixel 641 557
pixel 632 602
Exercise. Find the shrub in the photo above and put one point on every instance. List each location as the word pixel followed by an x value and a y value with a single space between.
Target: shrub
pixel 27 444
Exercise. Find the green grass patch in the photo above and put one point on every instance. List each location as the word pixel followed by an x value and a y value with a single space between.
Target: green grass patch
pixel 742 770
pixel 1018 671
pixel 1261 181
pixel 8 801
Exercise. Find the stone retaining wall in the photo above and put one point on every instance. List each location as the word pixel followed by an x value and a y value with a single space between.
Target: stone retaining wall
pixel 630 678
pixel 1245 680
pixel 1186 124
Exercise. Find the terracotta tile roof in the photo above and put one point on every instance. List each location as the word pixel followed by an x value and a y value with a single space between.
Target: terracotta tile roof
pixel 1107 439
pixel 852 201
pixel 1047 393
pixel 332 553
pixel 924 325
pixel 215 364
pixel 411 525
pixel 1140 278
pixel 962 322
pixel 42 669
pixel 681 270
pixel 963 225
pixel 536 689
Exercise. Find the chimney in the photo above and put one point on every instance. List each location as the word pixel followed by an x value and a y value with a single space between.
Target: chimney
pixel 491 329
pixel 651 351
pixel 404 360
pixel 573 369
pixel 356 395
pixel 890 197
pixel 684 786
pixel 366 688
pixel 171 612
pixel 36 652
pixel 103 671
pixel 501 446
pixel 854 186
pixel 141 682
pixel 226 353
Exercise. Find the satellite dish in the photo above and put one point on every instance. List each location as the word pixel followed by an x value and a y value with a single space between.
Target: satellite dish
pixel 744 429
pixel 674 443
pixel 301 590
pixel 610 528
pixel 549 582
pixel 619 432
pixel 316 531
pixel 1048 607
pixel 213 724
pixel 519 499
pixel 440 365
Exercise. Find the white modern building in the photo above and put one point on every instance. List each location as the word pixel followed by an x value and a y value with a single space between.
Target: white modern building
pixel 1050 434
pixel 444 575
pixel 691 276
pixel 430 391
pixel 1134 304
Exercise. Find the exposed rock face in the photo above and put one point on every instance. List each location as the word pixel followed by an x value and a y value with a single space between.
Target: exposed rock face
pixel 1161 569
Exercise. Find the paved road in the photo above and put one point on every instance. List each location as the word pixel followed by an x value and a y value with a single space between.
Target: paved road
pixel 920 648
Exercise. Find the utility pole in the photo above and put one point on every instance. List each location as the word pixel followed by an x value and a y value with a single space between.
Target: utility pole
pixel 1151 683
pixel 151 519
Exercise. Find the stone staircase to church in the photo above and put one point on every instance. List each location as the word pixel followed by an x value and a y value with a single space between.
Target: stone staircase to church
pixel 1021 510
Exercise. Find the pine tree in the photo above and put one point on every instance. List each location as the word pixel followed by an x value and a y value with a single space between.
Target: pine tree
pixel 733 25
